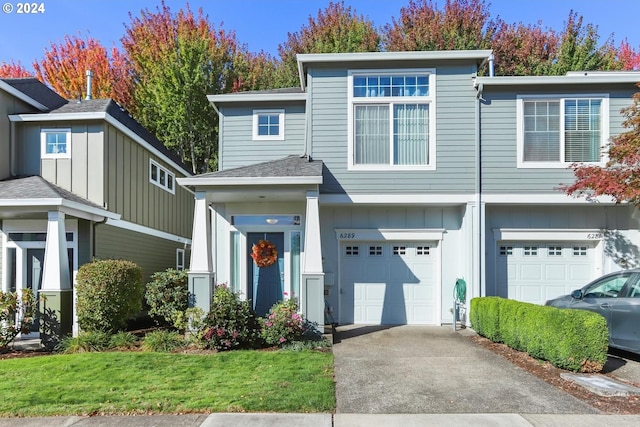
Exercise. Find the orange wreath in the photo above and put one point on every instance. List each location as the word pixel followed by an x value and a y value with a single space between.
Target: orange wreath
pixel 264 253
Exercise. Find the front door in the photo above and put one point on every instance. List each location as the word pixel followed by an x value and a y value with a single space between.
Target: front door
pixel 266 283
pixel 35 267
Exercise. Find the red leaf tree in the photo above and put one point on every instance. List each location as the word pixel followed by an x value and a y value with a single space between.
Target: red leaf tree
pixel 620 177
pixel 13 70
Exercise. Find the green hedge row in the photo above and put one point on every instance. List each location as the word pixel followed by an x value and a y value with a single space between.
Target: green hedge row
pixel 575 340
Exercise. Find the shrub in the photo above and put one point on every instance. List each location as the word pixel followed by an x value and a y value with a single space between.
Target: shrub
pixel 283 324
pixel 123 341
pixel 162 341
pixel 109 292
pixel 11 306
pixel 168 297
pixel 85 342
pixel 231 323
pixel 575 340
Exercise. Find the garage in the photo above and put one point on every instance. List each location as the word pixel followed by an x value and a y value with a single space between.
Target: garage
pixel 389 283
pixel 537 271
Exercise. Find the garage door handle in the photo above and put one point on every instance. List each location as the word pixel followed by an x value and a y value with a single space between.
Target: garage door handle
pixel 605 305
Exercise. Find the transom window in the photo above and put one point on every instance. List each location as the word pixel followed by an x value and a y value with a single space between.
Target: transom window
pixel 558 131
pixel 161 177
pixel 55 143
pixel 268 125
pixel 392 119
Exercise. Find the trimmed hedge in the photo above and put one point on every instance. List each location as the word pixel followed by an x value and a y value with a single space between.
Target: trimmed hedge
pixel 575 340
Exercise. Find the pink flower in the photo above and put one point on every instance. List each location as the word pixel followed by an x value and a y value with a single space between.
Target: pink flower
pixel 268 324
pixel 282 339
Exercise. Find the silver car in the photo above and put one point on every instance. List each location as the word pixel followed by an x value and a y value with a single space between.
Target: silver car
pixel 616 297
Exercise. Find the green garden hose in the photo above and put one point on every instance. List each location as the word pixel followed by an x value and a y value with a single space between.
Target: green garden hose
pixel 460 291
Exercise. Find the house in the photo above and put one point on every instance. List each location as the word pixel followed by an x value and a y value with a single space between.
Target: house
pixel 370 189
pixel 81 180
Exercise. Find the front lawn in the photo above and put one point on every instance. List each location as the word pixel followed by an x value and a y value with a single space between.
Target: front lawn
pixel 141 382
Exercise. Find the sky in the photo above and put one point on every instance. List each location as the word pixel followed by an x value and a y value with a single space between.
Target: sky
pixel 264 24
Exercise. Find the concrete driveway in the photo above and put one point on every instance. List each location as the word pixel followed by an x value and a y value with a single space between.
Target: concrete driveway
pixel 434 370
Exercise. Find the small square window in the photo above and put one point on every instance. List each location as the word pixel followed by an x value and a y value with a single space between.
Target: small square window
pixel 161 177
pixel 56 143
pixel 375 250
pixel 506 250
pixel 555 250
pixel 530 251
pixel 179 259
pixel 399 250
pixel 423 250
pixel 579 251
pixel 351 251
pixel 268 125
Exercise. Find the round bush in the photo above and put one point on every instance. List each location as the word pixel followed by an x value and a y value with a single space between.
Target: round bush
pixel 109 292
pixel 168 296
pixel 283 324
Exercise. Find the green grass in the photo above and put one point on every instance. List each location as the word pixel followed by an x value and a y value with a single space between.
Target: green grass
pixel 138 382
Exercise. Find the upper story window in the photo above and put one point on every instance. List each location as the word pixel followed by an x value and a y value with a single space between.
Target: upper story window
pixel 392 120
pixel 161 177
pixel 55 143
pixel 555 132
pixel 268 125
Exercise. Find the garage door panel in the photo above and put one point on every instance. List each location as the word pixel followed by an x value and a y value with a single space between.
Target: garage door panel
pixel 537 271
pixel 397 287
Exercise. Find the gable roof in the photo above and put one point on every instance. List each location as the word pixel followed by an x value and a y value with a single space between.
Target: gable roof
pixel 288 170
pixel 112 112
pixel 37 191
pixel 33 92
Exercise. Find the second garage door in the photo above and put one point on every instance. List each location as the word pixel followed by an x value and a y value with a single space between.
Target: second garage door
pixel 388 283
pixel 537 271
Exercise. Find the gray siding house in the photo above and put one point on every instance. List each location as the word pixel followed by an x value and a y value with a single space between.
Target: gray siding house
pixel 385 177
pixel 81 180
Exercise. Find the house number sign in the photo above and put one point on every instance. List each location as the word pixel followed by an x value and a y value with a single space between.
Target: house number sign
pixel 594 236
pixel 347 235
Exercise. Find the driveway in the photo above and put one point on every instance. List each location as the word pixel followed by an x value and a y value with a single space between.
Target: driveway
pixel 434 370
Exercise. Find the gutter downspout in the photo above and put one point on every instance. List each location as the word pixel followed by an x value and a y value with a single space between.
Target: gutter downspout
pixel 479 232
pixel 12 149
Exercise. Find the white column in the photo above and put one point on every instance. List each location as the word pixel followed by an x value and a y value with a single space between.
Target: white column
pixel 201 238
pixel 200 271
pixel 312 286
pixel 56 275
pixel 312 242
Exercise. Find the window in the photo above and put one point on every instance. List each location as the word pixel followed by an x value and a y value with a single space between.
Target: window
pixel 179 259
pixel 399 250
pixel 554 132
pixel 506 250
pixel 161 177
pixel 351 251
pixel 268 125
pixel 375 250
pixel 392 117
pixel 55 143
pixel 555 250
pixel 580 251
pixel 423 250
pixel 530 251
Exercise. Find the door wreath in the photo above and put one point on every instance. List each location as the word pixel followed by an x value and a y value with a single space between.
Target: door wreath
pixel 264 253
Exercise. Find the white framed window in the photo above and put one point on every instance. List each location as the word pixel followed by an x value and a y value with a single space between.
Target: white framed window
pixel 161 177
pixel 391 119
pixel 556 131
pixel 55 143
pixel 180 259
pixel 268 125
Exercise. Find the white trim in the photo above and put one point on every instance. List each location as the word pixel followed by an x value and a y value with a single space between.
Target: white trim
pixel 545 234
pixel 180 256
pixel 429 100
pixel 256 97
pixel 201 181
pixel 604 130
pixel 270 112
pixel 585 78
pixel 411 198
pixel 43 143
pixel 72 208
pixel 373 234
pixel 21 96
pixel 544 199
pixel 167 173
pixel 147 230
pixel 393 56
pixel 54 117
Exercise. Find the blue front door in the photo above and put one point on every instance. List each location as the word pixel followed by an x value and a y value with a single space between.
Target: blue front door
pixel 266 284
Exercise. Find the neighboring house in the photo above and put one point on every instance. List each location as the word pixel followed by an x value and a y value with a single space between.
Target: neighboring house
pixel 387 176
pixel 81 180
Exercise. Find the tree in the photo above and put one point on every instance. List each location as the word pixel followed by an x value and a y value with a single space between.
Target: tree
pixel 13 70
pixel 334 30
pixel 579 51
pixel 620 177
pixel 628 57
pixel 461 24
pixel 523 50
pixel 176 60
pixel 64 68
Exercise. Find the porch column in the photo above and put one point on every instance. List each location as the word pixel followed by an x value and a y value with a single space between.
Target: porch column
pixel 312 289
pixel 200 271
pixel 57 304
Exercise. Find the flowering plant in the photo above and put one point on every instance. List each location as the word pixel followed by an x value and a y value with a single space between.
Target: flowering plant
pixel 283 323
pixel 13 306
pixel 264 253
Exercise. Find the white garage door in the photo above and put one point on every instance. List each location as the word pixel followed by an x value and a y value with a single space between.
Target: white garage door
pixel 388 283
pixel 535 272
